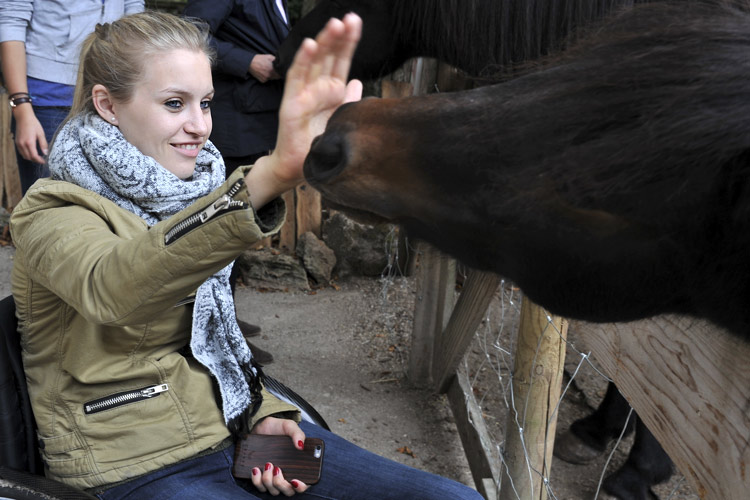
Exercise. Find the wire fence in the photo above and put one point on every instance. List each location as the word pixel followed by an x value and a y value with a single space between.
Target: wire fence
pixel 488 365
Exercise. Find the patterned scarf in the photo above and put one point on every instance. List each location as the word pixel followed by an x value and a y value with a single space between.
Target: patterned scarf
pixel 95 155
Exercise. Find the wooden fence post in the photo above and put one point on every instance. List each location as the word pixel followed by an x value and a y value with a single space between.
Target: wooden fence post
pixel 436 283
pixel 530 430
pixel 10 182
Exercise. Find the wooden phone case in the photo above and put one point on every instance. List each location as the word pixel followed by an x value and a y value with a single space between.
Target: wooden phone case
pixel 256 450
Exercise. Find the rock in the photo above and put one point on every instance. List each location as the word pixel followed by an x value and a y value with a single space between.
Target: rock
pixel 360 249
pixel 317 258
pixel 269 270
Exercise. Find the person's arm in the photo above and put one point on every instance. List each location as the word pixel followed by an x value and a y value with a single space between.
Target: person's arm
pixel 316 85
pixel 29 134
pixel 71 250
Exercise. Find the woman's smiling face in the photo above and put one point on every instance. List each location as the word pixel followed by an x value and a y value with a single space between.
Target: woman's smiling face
pixel 168 116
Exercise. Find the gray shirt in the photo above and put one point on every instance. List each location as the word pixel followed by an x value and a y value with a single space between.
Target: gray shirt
pixel 54 29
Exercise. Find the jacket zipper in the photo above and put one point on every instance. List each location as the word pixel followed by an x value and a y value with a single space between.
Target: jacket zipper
pixel 123 398
pixel 224 204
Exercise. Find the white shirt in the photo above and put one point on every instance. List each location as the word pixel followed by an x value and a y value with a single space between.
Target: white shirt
pixel 280 6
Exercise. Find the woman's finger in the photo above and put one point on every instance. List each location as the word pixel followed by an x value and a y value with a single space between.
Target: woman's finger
pixel 257 479
pixel 353 91
pixel 291 429
pixel 288 488
pixel 328 42
pixel 296 77
pixel 347 46
pixel 299 486
pixel 267 478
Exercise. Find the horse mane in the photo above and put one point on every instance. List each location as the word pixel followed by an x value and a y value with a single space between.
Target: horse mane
pixel 656 97
pixel 495 34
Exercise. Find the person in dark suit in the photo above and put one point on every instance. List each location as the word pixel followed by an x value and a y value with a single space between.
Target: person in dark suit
pixel 245 35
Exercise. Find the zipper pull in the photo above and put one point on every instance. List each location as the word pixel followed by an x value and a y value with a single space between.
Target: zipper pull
pixel 154 390
pixel 218 205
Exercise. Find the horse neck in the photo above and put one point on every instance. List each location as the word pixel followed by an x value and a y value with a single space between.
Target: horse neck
pixel 486 37
pixel 458 32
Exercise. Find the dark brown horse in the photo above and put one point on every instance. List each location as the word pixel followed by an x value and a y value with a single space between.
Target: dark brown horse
pixel 612 184
pixel 478 36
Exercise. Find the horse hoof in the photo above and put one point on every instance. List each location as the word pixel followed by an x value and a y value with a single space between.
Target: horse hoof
pixel 572 449
pixel 626 483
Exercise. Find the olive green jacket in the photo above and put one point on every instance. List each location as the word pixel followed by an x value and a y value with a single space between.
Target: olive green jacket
pixel 105 327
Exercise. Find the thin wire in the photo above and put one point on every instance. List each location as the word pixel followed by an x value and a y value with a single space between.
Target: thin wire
pixel 611 454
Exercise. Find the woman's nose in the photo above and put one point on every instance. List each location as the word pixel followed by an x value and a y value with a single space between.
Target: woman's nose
pixel 199 122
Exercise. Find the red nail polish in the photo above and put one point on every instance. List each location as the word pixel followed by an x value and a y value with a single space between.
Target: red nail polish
pixel 268 466
pixel 295 484
pixel 256 471
pixel 276 471
pixel 300 444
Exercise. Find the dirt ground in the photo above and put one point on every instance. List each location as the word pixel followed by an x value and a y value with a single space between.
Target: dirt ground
pixel 345 348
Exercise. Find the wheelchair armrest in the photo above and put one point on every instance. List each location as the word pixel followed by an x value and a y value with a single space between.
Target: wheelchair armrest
pixel 20 485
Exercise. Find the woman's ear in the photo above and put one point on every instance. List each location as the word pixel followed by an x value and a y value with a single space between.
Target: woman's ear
pixel 103 103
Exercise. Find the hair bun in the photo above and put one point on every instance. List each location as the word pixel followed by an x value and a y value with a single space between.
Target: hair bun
pixel 102 30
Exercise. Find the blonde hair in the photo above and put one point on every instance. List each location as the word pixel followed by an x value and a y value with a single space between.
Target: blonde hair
pixel 115 54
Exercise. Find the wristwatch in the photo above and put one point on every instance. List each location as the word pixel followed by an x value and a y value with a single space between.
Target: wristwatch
pixel 15 101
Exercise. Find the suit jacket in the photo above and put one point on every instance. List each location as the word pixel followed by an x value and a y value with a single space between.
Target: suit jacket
pixel 244 111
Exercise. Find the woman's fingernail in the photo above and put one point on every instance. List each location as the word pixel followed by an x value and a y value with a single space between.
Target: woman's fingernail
pixel 269 465
pixel 300 444
pixel 295 483
pixel 276 471
pixel 256 471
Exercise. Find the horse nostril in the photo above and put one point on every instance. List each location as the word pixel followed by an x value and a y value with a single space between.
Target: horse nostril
pixel 327 157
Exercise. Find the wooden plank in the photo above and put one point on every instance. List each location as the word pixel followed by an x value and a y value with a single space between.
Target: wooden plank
pixel 288 232
pixel 436 279
pixel 450 79
pixel 467 315
pixel 690 383
pixel 11 182
pixel 308 210
pixel 530 430
pixel 481 452
pixel 392 88
pixel 424 75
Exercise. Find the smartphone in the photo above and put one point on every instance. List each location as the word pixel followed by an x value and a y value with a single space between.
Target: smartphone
pixel 255 450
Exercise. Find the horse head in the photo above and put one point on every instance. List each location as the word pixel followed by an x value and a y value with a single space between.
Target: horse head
pixel 622 165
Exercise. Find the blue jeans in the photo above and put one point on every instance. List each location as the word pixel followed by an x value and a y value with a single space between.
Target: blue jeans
pixel 349 473
pixel 50 117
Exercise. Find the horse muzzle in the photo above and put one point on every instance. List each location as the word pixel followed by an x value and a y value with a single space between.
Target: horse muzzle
pixel 327 158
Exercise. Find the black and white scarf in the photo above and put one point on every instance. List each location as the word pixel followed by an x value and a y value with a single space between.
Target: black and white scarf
pixel 95 155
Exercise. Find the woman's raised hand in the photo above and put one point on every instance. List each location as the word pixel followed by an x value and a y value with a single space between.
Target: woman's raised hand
pixel 316 84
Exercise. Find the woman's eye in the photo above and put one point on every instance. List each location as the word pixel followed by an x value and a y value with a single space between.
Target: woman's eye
pixel 173 104
pixel 205 104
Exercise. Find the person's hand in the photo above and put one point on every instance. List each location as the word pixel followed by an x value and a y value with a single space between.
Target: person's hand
pixel 271 479
pixel 29 134
pixel 261 68
pixel 316 84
